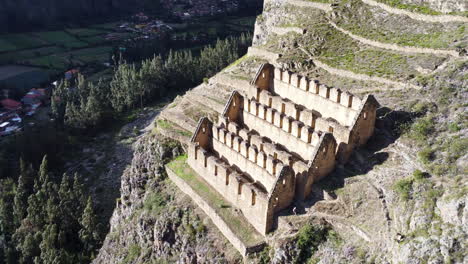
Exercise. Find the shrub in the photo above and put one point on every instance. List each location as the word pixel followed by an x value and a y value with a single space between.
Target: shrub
pixel 403 187
pixel 419 175
pixel 423 107
pixel 457 148
pixel 154 203
pixel 454 127
pixel 422 129
pixel 133 253
pixel 308 240
pixel 426 155
pixel 264 256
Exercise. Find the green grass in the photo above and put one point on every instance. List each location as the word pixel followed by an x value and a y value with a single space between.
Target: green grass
pixel 411 7
pixel 6 46
pixel 85 32
pixel 168 125
pixel 94 39
pixel 22 41
pixel 361 21
pixel 75 44
pixel 53 62
pixel 422 9
pixel 100 54
pixel 57 37
pixel 19 56
pixel 241 227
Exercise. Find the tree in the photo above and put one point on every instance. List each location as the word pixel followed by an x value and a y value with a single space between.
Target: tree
pixel 24 189
pixel 7 223
pixel 43 171
pixel 89 233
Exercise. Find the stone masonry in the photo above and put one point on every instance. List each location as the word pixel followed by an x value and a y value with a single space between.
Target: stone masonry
pixel 277 138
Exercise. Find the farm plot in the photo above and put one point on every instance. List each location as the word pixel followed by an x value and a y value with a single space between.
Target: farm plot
pixel 62 38
pixel 6 46
pixel 20 56
pixel 86 32
pixel 99 54
pixel 12 42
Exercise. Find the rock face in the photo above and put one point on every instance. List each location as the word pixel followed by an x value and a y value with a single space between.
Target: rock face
pixel 154 221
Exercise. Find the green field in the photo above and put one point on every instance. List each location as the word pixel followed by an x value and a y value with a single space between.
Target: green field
pixel 94 40
pixel 22 41
pixel 19 56
pixel 99 54
pixel 86 32
pixel 52 62
pixel 56 37
pixel 6 46
pixel 55 50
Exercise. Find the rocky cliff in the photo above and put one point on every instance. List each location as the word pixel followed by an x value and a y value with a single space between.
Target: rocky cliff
pixel 400 199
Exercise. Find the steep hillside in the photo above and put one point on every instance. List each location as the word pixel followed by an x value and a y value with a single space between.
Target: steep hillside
pixel 400 199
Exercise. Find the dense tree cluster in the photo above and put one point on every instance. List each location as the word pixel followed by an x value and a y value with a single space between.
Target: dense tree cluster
pixel 83 105
pixel 46 219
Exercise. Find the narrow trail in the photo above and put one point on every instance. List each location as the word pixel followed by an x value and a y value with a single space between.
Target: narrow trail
pixel 417 16
pixel 357 76
pixel 395 47
pixel 322 6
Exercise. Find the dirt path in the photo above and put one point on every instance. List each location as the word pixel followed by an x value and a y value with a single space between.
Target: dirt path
pixel 416 16
pixel 395 47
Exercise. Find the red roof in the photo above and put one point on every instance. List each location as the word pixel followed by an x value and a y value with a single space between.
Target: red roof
pixel 10 104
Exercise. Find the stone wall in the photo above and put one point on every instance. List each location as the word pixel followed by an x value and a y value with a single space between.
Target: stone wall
pixel 211 212
pixel 316 107
pixel 329 102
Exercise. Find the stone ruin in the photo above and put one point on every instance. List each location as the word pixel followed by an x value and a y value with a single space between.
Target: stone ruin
pixel 277 138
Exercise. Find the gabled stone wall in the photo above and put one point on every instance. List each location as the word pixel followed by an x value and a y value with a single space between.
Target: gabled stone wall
pixel 274 142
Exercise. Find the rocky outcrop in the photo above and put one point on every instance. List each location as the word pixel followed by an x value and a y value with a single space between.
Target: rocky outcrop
pixel 153 221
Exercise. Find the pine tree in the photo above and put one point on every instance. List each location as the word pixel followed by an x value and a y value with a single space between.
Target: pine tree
pixel 22 192
pixel 50 253
pixel 43 171
pixel 89 233
pixel 7 223
pixel 79 199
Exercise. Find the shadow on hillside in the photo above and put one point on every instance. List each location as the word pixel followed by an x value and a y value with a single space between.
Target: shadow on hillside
pixel 389 127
